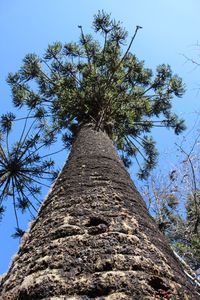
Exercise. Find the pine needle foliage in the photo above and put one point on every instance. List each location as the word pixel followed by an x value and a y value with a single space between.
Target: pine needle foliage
pixel 102 82
pixel 23 168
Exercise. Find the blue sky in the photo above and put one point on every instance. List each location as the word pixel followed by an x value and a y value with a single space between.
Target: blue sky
pixel 170 29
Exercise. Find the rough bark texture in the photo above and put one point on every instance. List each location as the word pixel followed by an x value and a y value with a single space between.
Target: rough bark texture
pixel 93 238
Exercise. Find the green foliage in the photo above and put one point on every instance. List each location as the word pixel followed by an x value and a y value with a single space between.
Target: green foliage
pixel 190 250
pixel 23 168
pixel 91 81
pixel 6 122
pixel 100 82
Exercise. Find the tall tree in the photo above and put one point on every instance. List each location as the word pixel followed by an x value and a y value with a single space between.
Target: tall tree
pixel 93 237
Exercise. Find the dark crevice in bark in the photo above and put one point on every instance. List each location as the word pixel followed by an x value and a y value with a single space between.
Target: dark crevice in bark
pixel 159 287
pixel 95 221
pixel 157 284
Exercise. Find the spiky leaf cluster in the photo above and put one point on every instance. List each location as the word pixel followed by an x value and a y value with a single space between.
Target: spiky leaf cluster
pixel 24 168
pixel 102 82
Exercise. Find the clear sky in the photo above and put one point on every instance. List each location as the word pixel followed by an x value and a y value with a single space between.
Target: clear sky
pixel 170 29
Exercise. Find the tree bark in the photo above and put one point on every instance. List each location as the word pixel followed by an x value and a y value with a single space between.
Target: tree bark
pixel 93 237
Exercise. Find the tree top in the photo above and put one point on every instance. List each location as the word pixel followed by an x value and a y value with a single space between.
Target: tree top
pixel 97 81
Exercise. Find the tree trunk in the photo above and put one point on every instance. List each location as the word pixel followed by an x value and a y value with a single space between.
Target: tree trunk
pixel 93 237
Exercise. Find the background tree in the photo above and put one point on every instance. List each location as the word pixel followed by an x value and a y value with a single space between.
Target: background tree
pixel 173 200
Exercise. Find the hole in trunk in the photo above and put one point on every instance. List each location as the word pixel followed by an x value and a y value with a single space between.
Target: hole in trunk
pixel 95 221
pixel 108 266
pixel 157 284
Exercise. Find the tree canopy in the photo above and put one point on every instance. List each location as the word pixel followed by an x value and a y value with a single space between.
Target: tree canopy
pixel 90 81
